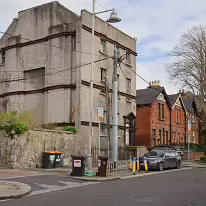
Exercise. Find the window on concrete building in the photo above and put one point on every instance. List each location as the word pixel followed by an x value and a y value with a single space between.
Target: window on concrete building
pixel 104 45
pixel 128 86
pixel 103 128
pixel 34 79
pixel 103 74
pixel 3 57
pixel 127 134
pixel 74 42
pixel 128 57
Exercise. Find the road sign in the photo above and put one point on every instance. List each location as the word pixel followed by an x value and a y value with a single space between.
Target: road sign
pixel 101 112
pixel 189 125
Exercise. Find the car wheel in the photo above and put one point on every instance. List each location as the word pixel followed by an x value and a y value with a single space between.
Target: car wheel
pixel 178 165
pixel 161 166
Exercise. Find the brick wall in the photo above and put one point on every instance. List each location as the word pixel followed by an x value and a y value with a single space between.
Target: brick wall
pixel 143 125
pixel 178 128
pixel 159 124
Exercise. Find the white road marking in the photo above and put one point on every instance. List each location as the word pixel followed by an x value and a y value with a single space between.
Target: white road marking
pixel 153 173
pixel 54 188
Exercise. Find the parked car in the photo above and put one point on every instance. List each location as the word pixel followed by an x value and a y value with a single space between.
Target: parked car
pixel 161 159
pixel 168 147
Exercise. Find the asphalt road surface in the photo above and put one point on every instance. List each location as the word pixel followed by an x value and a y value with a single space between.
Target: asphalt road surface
pixel 179 188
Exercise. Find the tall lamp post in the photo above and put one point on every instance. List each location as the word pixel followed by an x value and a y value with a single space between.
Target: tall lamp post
pixel 113 19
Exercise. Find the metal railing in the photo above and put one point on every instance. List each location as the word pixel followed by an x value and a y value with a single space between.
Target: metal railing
pixel 122 166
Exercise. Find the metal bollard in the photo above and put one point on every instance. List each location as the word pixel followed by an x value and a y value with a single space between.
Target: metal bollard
pixel 146 165
pixel 138 164
pixel 130 163
pixel 134 165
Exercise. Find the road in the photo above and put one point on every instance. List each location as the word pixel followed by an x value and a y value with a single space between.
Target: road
pixel 180 188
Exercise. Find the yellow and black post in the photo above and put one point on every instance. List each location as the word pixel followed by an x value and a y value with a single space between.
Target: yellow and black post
pixel 130 163
pixel 146 165
pixel 134 165
pixel 138 164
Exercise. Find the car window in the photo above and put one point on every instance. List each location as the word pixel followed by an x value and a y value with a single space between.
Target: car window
pixel 173 154
pixel 153 153
pixel 167 154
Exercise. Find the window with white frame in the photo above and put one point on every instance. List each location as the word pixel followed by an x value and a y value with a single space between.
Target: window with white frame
pixel 194 137
pixel 128 86
pixel 104 45
pixel 127 134
pixel 128 57
pixel 103 126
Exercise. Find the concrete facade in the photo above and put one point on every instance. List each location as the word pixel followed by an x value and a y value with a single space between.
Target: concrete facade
pixel 46 54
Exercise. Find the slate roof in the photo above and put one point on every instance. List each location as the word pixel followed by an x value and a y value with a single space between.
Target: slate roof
pixel 173 98
pixel 148 96
pixel 188 104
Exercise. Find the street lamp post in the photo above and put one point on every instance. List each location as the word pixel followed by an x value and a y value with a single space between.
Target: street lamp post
pixel 113 19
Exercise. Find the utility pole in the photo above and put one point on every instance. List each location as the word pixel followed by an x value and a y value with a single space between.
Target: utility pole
pixel 115 116
pixel 108 114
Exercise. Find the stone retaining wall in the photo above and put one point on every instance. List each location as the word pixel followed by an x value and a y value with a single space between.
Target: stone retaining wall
pixel 25 151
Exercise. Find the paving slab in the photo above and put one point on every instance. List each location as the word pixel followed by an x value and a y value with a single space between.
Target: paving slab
pixel 12 190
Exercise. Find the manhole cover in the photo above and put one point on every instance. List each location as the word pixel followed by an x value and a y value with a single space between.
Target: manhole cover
pixel 144 199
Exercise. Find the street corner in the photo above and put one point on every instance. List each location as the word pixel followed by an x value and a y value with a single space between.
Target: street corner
pixel 13 190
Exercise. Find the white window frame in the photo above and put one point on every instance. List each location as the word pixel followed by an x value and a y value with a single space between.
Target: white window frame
pixel 128 86
pixel 103 76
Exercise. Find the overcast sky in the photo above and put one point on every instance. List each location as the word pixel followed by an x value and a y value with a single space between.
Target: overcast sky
pixel 157 25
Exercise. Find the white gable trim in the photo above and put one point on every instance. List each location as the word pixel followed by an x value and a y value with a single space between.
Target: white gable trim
pixel 161 97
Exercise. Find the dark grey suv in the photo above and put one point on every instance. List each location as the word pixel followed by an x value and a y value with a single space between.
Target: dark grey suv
pixel 160 159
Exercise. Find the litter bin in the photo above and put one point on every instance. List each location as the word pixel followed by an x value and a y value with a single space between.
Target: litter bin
pixel 57 159
pixel 102 166
pixel 48 160
pixel 78 165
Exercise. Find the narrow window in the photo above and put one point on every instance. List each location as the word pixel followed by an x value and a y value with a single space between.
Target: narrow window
pixel 163 112
pixel 128 86
pixel 159 112
pixel 103 74
pixel 3 57
pixel 104 45
pixel 128 57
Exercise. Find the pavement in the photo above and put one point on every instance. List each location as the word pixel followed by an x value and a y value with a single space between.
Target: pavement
pixel 11 189
pixel 182 187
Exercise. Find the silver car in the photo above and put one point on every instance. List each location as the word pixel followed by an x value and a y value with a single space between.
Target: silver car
pixel 160 159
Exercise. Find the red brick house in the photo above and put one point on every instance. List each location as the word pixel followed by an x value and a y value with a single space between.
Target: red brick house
pixel 192 114
pixel 153 117
pixel 178 124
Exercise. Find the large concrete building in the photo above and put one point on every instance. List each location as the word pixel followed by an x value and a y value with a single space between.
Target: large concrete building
pixel 45 57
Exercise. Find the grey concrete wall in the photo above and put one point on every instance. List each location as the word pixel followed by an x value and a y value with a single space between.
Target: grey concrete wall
pixel 25 151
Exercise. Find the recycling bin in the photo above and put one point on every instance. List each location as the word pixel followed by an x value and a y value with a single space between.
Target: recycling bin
pixel 48 160
pixel 78 166
pixel 57 162
pixel 102 166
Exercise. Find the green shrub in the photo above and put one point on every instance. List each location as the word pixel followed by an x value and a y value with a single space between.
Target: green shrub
pixel 70 129
pixel 13 123
pixel 203 159
pixel 20 127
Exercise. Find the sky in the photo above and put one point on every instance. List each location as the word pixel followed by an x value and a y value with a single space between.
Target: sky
pixel 157 25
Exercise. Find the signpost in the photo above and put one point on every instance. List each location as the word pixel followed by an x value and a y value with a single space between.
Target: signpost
pixel 189 132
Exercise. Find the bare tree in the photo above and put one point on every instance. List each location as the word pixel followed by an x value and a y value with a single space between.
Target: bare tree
pixel 189 66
